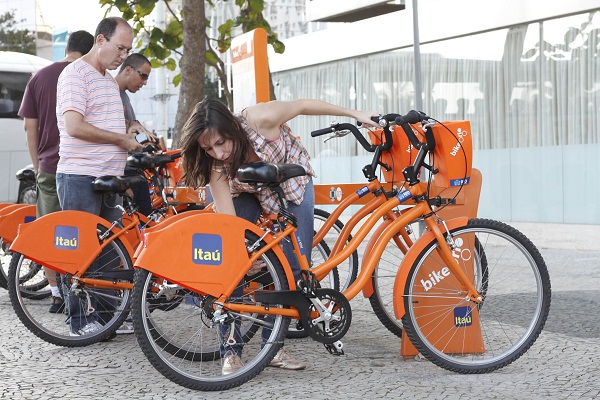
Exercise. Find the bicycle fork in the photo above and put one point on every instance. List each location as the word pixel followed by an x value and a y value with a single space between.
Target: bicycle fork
pixel 445 251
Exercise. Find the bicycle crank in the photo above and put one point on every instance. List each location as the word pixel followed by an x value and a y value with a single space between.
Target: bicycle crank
pixel 329 316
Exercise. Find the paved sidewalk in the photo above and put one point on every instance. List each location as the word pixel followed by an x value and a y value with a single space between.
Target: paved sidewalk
pixel 562 364
pixel 561 236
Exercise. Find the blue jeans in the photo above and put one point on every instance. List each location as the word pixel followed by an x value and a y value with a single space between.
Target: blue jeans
pixel 248 207
pixel 75 192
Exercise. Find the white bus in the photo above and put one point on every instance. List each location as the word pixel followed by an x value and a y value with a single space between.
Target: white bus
pixel 15 71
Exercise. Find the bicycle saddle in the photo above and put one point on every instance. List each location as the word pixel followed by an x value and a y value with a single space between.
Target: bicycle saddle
pixel 26 174
pixel 149 161
pixel 117 184
pixel 262 172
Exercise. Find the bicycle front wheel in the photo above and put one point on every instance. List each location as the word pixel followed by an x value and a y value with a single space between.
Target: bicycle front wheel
pixel 465 337
pixel 187 344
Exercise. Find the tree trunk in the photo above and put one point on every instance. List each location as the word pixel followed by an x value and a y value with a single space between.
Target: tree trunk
pixel 193 63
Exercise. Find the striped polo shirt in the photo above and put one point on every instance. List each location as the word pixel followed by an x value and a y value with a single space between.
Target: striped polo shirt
pixel 83 89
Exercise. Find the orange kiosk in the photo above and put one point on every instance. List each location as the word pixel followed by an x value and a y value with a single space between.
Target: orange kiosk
pixel 250 69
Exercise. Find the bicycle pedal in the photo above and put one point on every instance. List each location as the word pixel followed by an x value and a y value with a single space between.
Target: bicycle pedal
pixel 336 348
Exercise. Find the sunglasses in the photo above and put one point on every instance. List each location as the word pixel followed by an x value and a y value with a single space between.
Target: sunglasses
pixel 143 75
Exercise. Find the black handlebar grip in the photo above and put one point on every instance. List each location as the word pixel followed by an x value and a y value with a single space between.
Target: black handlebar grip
pixel 175 156
pixel 150 148
pixel 324 131
pixel 412 117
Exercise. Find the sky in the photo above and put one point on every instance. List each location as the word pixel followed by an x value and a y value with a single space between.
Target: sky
pixel 74 15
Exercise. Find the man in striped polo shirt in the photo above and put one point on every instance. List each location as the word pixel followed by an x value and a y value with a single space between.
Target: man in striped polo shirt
pixel 94 139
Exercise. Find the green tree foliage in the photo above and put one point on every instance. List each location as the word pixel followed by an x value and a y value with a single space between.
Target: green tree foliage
pixel 13 39
pixel 184 40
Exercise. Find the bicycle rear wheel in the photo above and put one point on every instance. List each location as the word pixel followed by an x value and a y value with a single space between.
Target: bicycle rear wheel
pixel 465 337
pixel 5 256
pixel 186 345
pixel 384 276
pixel 32 280
pixel 112 306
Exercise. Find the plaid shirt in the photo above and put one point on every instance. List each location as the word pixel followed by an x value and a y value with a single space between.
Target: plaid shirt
pixel 287 149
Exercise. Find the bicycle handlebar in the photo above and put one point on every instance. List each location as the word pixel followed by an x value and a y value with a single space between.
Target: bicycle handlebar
pixel 324 131
pixel 342 127
pixel 412 117
pixel 404 121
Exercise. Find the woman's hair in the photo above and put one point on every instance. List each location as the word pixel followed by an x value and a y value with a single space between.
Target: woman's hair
pixel 211 116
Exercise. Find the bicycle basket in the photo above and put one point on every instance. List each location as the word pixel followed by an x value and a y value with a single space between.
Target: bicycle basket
pixel 453 154
pixel 401 155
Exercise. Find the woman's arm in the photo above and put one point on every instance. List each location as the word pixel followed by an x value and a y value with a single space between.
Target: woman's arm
pixel 267 117
pixel 219 189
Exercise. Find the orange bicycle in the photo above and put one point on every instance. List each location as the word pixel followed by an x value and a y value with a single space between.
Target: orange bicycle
pixel 459 289
pixel 92 255
pixel 33 284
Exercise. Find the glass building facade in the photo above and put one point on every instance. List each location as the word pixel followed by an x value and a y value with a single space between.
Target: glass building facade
pixel 531 92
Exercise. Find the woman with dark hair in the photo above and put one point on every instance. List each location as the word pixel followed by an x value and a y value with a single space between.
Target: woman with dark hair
pixel 216 142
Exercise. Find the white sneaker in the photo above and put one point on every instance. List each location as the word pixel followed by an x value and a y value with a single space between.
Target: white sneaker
pixel 284 361
pixel 231 363
pixel 89 329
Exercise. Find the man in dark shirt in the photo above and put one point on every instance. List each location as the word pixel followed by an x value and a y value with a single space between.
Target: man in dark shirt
pixel 39 112
pixel 132 76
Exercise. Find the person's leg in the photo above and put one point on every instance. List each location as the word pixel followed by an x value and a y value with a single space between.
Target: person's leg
pixel 304 212
pixel 141 193
pixel 47 202
pixel 105 306
pixel 247 207
pixel 75 193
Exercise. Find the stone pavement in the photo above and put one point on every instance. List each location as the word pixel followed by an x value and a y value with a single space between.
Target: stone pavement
pixel 562 364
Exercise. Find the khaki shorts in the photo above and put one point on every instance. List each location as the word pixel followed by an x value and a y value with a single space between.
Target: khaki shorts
pixel 47 199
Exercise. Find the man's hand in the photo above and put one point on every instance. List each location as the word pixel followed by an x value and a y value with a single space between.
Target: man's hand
pixel 129 143
pixel 135 126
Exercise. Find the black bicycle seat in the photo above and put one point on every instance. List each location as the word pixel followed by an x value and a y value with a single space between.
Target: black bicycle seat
pixel 26 174
pixel 148 161
pixel 262 172
pixel 116 184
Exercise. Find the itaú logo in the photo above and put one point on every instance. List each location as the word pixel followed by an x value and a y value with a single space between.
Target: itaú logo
pixel 207 249
pixel 461 138
pixel 66 237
